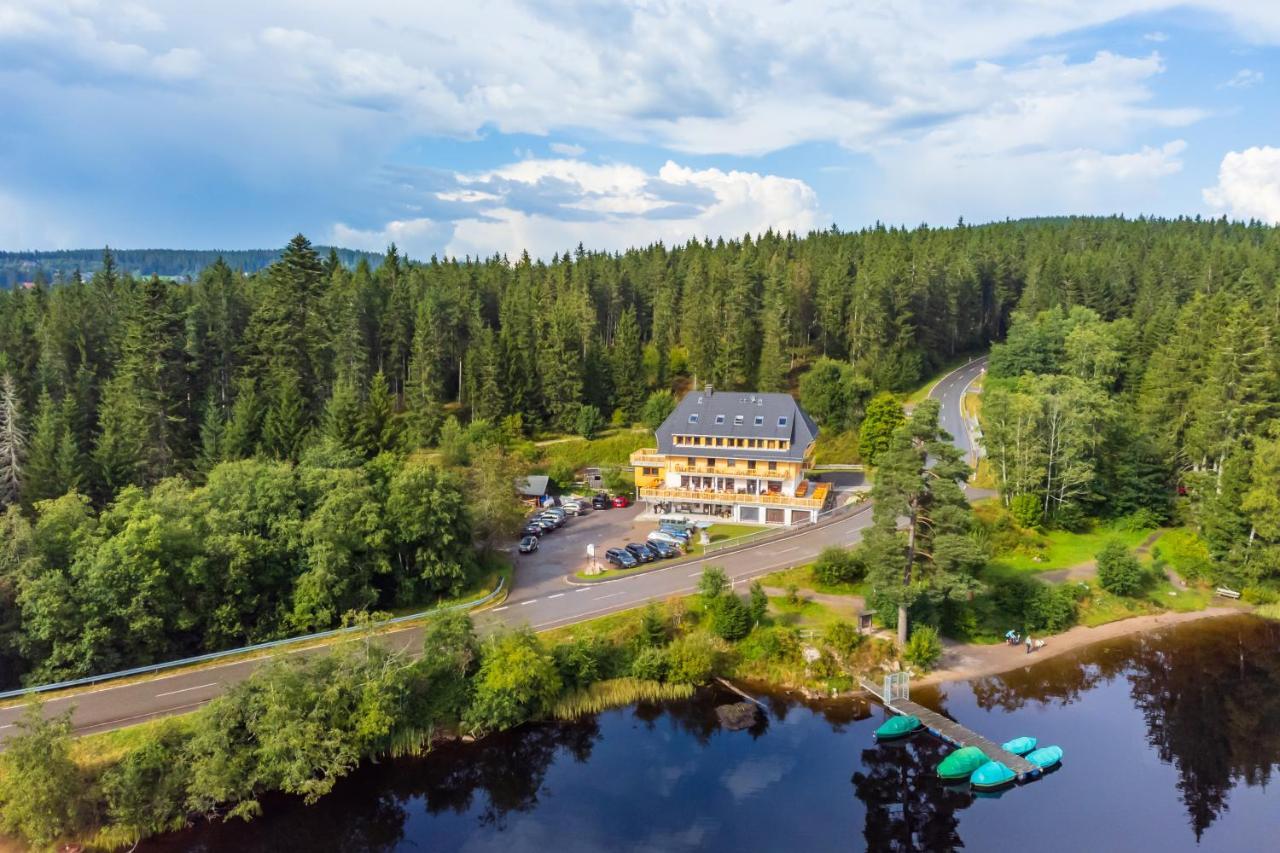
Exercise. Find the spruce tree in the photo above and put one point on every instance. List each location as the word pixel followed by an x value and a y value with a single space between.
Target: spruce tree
pixel 41 479
pixel 13 441
pixel 343 414
pixel 628 367
pixel 379 425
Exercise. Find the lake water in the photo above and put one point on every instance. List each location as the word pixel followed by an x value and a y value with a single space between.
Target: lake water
pixel 1171 740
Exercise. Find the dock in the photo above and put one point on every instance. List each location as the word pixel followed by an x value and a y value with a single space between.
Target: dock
pixel 895 696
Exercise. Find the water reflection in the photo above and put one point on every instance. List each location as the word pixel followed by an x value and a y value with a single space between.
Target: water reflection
pixel 1204 701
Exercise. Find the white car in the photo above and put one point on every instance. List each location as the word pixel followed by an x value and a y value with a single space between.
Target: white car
pixel 572 507
pixel 663 536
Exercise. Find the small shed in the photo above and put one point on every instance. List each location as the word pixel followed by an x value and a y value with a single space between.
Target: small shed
pixel 595 480
pixel 533 489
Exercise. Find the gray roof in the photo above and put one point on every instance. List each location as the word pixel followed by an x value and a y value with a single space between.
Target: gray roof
pixel 727 406
pixel 534 486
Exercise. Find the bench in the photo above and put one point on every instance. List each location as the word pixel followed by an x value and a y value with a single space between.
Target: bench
pixel 1226 593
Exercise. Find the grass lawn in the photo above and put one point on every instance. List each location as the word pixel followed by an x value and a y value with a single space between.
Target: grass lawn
pixel 803 614
pixel 802 577
pixel 1102 607
pixel 837 448
pixel 1179 600
pixel 1062 549
pixel 723 533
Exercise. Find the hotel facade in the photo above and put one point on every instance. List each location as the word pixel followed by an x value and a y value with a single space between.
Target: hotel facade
pixel 733 455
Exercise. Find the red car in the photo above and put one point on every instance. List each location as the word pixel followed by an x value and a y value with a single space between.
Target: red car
pixel 621 501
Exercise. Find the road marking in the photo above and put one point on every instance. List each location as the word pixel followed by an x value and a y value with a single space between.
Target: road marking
pixel 503 607
pixel 695 574
pixel 787 551
pixel 530 601
pixel 7 726
pixel 188 689
pixel 557 595
pixel 582 589
pixel 610 595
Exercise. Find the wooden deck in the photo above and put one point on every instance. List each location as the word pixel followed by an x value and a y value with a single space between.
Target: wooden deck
pixel 954 733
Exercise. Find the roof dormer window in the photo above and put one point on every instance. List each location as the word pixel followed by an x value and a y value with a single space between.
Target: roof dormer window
pixel 759 420
pixel 719 419
pixel 693 419
pixel 782 421
pixel 737 420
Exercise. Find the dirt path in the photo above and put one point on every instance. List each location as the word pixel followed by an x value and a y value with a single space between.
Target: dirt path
pixel 1089 568
pixel 964 661
pixel 853 603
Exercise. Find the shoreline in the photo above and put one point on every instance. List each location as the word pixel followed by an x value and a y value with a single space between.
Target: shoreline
pixel 970 661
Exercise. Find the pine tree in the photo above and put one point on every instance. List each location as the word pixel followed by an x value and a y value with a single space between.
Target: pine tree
pixel 41 476
pixel 13 441
pixel 285 425
pixel 379 426
pixel 244 427
pixel 628 367
pixel 343 414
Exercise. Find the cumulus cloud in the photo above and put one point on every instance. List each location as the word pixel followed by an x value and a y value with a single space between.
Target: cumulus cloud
pixel 567 149
pixel 549 205
pixel 1248 185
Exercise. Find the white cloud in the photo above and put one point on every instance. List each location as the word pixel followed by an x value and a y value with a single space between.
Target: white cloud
pixel 550 205
pixel 1147 164
pixel 1245 78
pixel 1156 36
pixel 1248 185
pixel 567 149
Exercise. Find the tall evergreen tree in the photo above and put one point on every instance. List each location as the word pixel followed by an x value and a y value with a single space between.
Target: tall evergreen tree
pixel 628 367
pixel 13 441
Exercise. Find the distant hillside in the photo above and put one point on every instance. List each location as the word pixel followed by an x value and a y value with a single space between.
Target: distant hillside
pixel 16 267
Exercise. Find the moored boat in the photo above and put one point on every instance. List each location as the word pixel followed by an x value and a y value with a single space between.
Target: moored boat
pixel 1045 757
pixel 961 763
pixel 992 775
pixel 1019 745
pixel 895 727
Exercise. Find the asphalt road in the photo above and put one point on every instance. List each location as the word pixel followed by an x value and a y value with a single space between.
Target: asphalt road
pixel 543 603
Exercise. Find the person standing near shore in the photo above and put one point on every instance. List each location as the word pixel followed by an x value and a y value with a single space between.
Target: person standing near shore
pixel 1028 644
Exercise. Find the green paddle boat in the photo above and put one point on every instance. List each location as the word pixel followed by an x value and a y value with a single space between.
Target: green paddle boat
pixel 1045 757
pixel 1019 745
pixel 990 776
pixel 960 764
pixel 895 727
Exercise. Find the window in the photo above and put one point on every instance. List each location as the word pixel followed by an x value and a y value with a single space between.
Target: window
pixel 711 462
pixel 751 464
pixel 759 420
pixel 782 421
pixel 651 472
pixel 719 419
pixel 773 466
pixel 719 442
pixel 737 420
pixel 692 461
pixel 693 419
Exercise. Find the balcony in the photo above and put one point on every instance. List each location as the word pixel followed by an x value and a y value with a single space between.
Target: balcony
pixel 816 500
pixel 647 457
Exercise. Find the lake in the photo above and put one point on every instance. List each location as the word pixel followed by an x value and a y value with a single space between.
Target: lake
pixel 1171 739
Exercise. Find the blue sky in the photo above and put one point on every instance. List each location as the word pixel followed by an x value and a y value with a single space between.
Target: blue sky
pixel 497 126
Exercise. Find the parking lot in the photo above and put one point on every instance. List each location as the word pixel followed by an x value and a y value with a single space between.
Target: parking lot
pixel 564 551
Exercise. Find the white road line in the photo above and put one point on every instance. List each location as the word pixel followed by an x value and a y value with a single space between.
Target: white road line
pixel 582 589
pixel 188 689
pixel 695 574
pixel 503 607
pixel 787 551
pixel 530 601
pixel 557 595
pixel 7 726
pixel 610 595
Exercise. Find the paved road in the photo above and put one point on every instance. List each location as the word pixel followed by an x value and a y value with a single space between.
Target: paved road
pixel 544 603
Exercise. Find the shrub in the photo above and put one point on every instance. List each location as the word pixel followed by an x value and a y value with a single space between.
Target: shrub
pixel 562 473
pixel 42 792
pixel 1119 572
pixel 517 680
pixel 1051 608
pixel 651 664
pixel 730 618
pixel 693 659
pixel 653 628
pixel 1025 509
pixel 836 565
pixel 589 421
pixel 1259 595
pixel 581 661
pixel 712 584
pixel 759 606
pixel 843 638
pixel 924 649
pixel 144 792
pixel 1142 518
pixel 656 409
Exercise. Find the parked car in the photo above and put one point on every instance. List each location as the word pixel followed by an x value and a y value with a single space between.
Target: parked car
pixel 665 550
pixel 556 521
pixel 528 544
pixel 676 532
pixel 600 501
pixel 572 508
pixel 666 538
pixel 621 557
pixel 534 528
pixel 621 501
pixel 642 552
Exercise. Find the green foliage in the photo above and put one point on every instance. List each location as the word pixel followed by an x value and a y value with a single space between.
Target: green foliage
pixel 42 790
pixel 836 565
pixel 651 664
pixel 1119 572
pixel 518 680
pixel 924 649
pixel 730 618
pixel 616 693
pixel 884 416
pixel 653 628
pixel 589 422
pixel 1025 509
pixel 712 584
pixel 692 659
pixel 759 603
pixel 834 394
pixel 657 408
pixel 144 792
pixel 843 638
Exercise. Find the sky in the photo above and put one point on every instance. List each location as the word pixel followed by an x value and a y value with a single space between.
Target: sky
pixel 495 126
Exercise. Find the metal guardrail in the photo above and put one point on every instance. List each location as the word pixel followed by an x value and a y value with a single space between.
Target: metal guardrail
pixel 320 635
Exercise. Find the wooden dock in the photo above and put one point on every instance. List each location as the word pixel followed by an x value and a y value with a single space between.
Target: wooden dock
pixel 954 733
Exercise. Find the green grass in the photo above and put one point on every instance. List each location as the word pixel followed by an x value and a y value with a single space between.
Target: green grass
pixel 723 533
pixel 1268 611
pixel 578 453
pixel 837 448
pixel 802 577
pixel 105 748
pixel 615 693
pixel 803 613
pixel 1062 549
pixel 1102 607
pixel 1182 600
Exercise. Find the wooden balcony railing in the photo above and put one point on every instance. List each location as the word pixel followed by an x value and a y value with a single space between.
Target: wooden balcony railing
pixel 648 457
pixel 816 501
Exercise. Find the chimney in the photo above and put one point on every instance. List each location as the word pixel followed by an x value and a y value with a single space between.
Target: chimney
pixel 709 389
